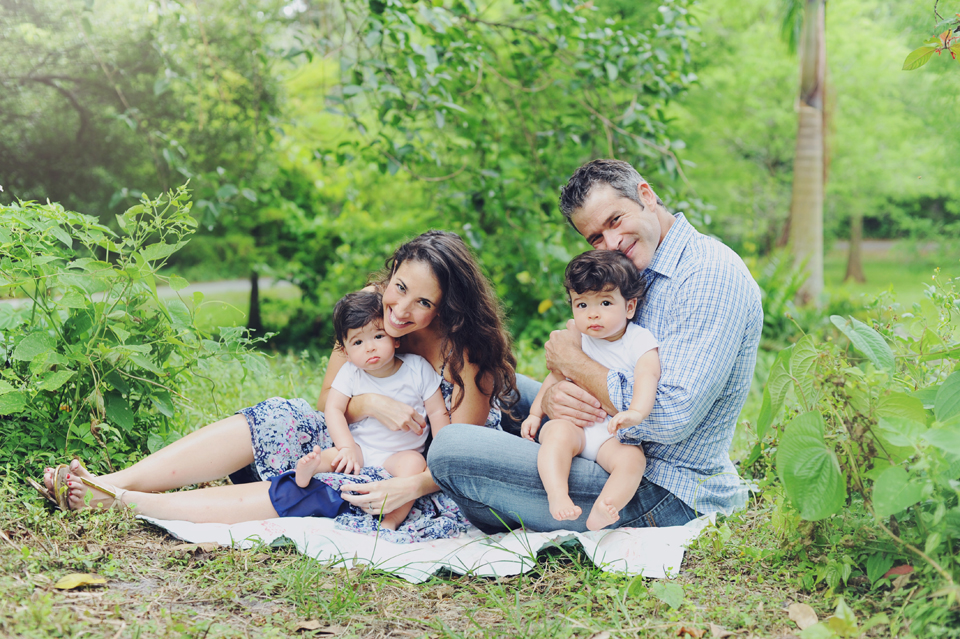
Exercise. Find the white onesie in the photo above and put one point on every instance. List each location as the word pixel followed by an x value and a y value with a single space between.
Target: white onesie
pixel 621 355
pixel 413 383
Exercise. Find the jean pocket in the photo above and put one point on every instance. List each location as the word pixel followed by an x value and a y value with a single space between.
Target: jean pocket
pixel 670 511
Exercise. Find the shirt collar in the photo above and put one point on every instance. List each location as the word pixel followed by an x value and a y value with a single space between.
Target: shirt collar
pixel 668 254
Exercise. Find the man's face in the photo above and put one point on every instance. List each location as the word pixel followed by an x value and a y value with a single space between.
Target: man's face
pixel 612 222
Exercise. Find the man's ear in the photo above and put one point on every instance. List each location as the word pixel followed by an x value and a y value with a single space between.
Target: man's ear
pixel 647 196
pixel 631 307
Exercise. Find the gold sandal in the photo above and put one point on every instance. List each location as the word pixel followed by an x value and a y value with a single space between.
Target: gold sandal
pixel 59 497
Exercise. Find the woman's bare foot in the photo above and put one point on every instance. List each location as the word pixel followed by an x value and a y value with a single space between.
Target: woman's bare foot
pixel 602 515
pixel 308 466
pixel 563 509
pixel 77 493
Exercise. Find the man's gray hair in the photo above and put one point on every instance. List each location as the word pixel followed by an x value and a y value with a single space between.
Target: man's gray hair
pixel 619 175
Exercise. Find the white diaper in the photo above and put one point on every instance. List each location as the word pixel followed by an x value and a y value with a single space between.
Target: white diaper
pixel 595 436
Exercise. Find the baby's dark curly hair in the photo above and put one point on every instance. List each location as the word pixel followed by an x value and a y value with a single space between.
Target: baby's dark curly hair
pixel 356 310
pixel 598 270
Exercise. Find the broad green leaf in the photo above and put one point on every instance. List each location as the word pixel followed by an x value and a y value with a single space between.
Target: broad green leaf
pixel 900 431
pixel 62 235
pixel 118 411
pixel 668 592
pixel 56 380
pixel 894 491
pixel 121 334
pixel 12 403
pixel 6 387
pixel 73 299
pixel 774 392
pixel 33 345
pixel 877 566
pixel 160 250
pixel 928 396
pixel 612 71
pixel 801 366
pixel 144 362
pixel 844 621
pixel 866 340
pixel 179 314
pixel 917 58
pixel 946 439
pixel 903 406
pixel 164 403
pixel 947 403
pixel 809 469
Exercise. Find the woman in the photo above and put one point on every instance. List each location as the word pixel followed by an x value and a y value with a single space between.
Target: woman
pixel 437 300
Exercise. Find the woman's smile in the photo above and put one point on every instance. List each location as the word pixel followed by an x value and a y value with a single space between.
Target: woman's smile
pixel 411 298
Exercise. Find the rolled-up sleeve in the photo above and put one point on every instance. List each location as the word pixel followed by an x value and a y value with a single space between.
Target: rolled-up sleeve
pixel 697 354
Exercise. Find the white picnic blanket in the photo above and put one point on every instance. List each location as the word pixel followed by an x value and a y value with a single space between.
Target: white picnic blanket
pixel 651 552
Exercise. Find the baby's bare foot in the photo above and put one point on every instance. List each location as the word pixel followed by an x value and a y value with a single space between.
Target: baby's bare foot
pixel 602 515
pixel 308 466
pixel 563 509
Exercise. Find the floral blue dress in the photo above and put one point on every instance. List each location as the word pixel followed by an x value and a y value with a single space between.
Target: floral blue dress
pixel 284 430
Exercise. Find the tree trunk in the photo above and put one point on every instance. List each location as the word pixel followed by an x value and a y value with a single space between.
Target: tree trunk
pixel 806 207
pixel 854 263
pixel 254 321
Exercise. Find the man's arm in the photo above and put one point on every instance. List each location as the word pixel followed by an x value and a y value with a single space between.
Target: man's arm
pixel 582 400
pixel 710 312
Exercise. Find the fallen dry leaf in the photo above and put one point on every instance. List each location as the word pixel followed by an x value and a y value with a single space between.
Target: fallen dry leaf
pixel 443 591
pixel 696 633
pixel 315 625
pixel 901 581
pixel 802 614
pixel 719 633
pixel 311 624
pixel 77 579
pixel 207 546
pixel 601 635
pixel 899 570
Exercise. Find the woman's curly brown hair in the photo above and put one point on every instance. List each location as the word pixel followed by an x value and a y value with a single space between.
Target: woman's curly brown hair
pixel 470 315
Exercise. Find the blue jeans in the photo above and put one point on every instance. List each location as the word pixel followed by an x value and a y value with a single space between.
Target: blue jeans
pixel 493 477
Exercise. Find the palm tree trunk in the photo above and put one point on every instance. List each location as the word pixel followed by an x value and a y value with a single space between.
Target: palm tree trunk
pixel 806 207
pixel 854 263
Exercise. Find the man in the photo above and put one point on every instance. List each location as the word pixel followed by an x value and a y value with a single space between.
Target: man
pixel 702 305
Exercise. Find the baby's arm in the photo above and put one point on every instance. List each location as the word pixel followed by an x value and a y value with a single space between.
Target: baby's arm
pixel 349 459
pixel 531 424
pixel 437 412
pixel 646 376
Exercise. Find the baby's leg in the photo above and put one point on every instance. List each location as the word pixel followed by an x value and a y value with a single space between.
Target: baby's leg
pixel 406 463
pixel 560 442
pixel 319 461
pixel 626 464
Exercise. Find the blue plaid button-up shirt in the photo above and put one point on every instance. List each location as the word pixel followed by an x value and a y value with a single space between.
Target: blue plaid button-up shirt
pixel 703 306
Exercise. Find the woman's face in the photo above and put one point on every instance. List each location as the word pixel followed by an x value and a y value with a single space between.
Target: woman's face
pixel 411 299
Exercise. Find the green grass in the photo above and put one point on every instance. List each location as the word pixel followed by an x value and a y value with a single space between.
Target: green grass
pixel 901 271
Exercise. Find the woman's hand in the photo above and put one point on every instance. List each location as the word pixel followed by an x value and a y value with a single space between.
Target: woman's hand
pixel 382 497
pixel 393 414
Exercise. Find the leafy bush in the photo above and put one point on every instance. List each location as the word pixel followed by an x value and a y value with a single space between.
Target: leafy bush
pixel 94 362
pixel 869 447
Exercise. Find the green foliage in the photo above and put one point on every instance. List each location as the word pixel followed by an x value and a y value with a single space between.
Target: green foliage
pixel 869 444
pixel 94 362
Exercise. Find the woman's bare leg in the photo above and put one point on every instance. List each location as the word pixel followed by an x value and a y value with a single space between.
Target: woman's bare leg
pixel 206 454
pixel 406 463
pixel 560 442
pixel 220 504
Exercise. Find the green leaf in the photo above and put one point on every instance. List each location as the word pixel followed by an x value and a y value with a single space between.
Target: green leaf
pixel 927 395
pixel 62 235
pixel 900 431
pixel 669 593
pixel 801 365
pixel 33 345
pixel 903 406
pixel 144 362
pixel 809 469
pixel 917 58
pixel 160 250
pixel 945 352
pixel 56 380
pixel 118 411
pixel 179 314
pixel 866 340
pixel 612 71
pixel 774 392
pixel 12 403
pixel 177 283
pixel 894 491
pixel 946 439
pixel 877 566
pixel 6 387
pixel 73 299
pixel 163 403
pixel 947 403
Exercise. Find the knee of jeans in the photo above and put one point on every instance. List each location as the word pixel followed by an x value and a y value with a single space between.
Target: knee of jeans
pixel 445 448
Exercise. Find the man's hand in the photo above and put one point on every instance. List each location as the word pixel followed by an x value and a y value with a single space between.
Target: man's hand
pixel 563 350
pixel 566 400
pixel 624 419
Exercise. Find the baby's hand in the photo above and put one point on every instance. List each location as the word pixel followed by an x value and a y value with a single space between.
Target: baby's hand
pixel 625 419
pixel 530 426
pixel 348 461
